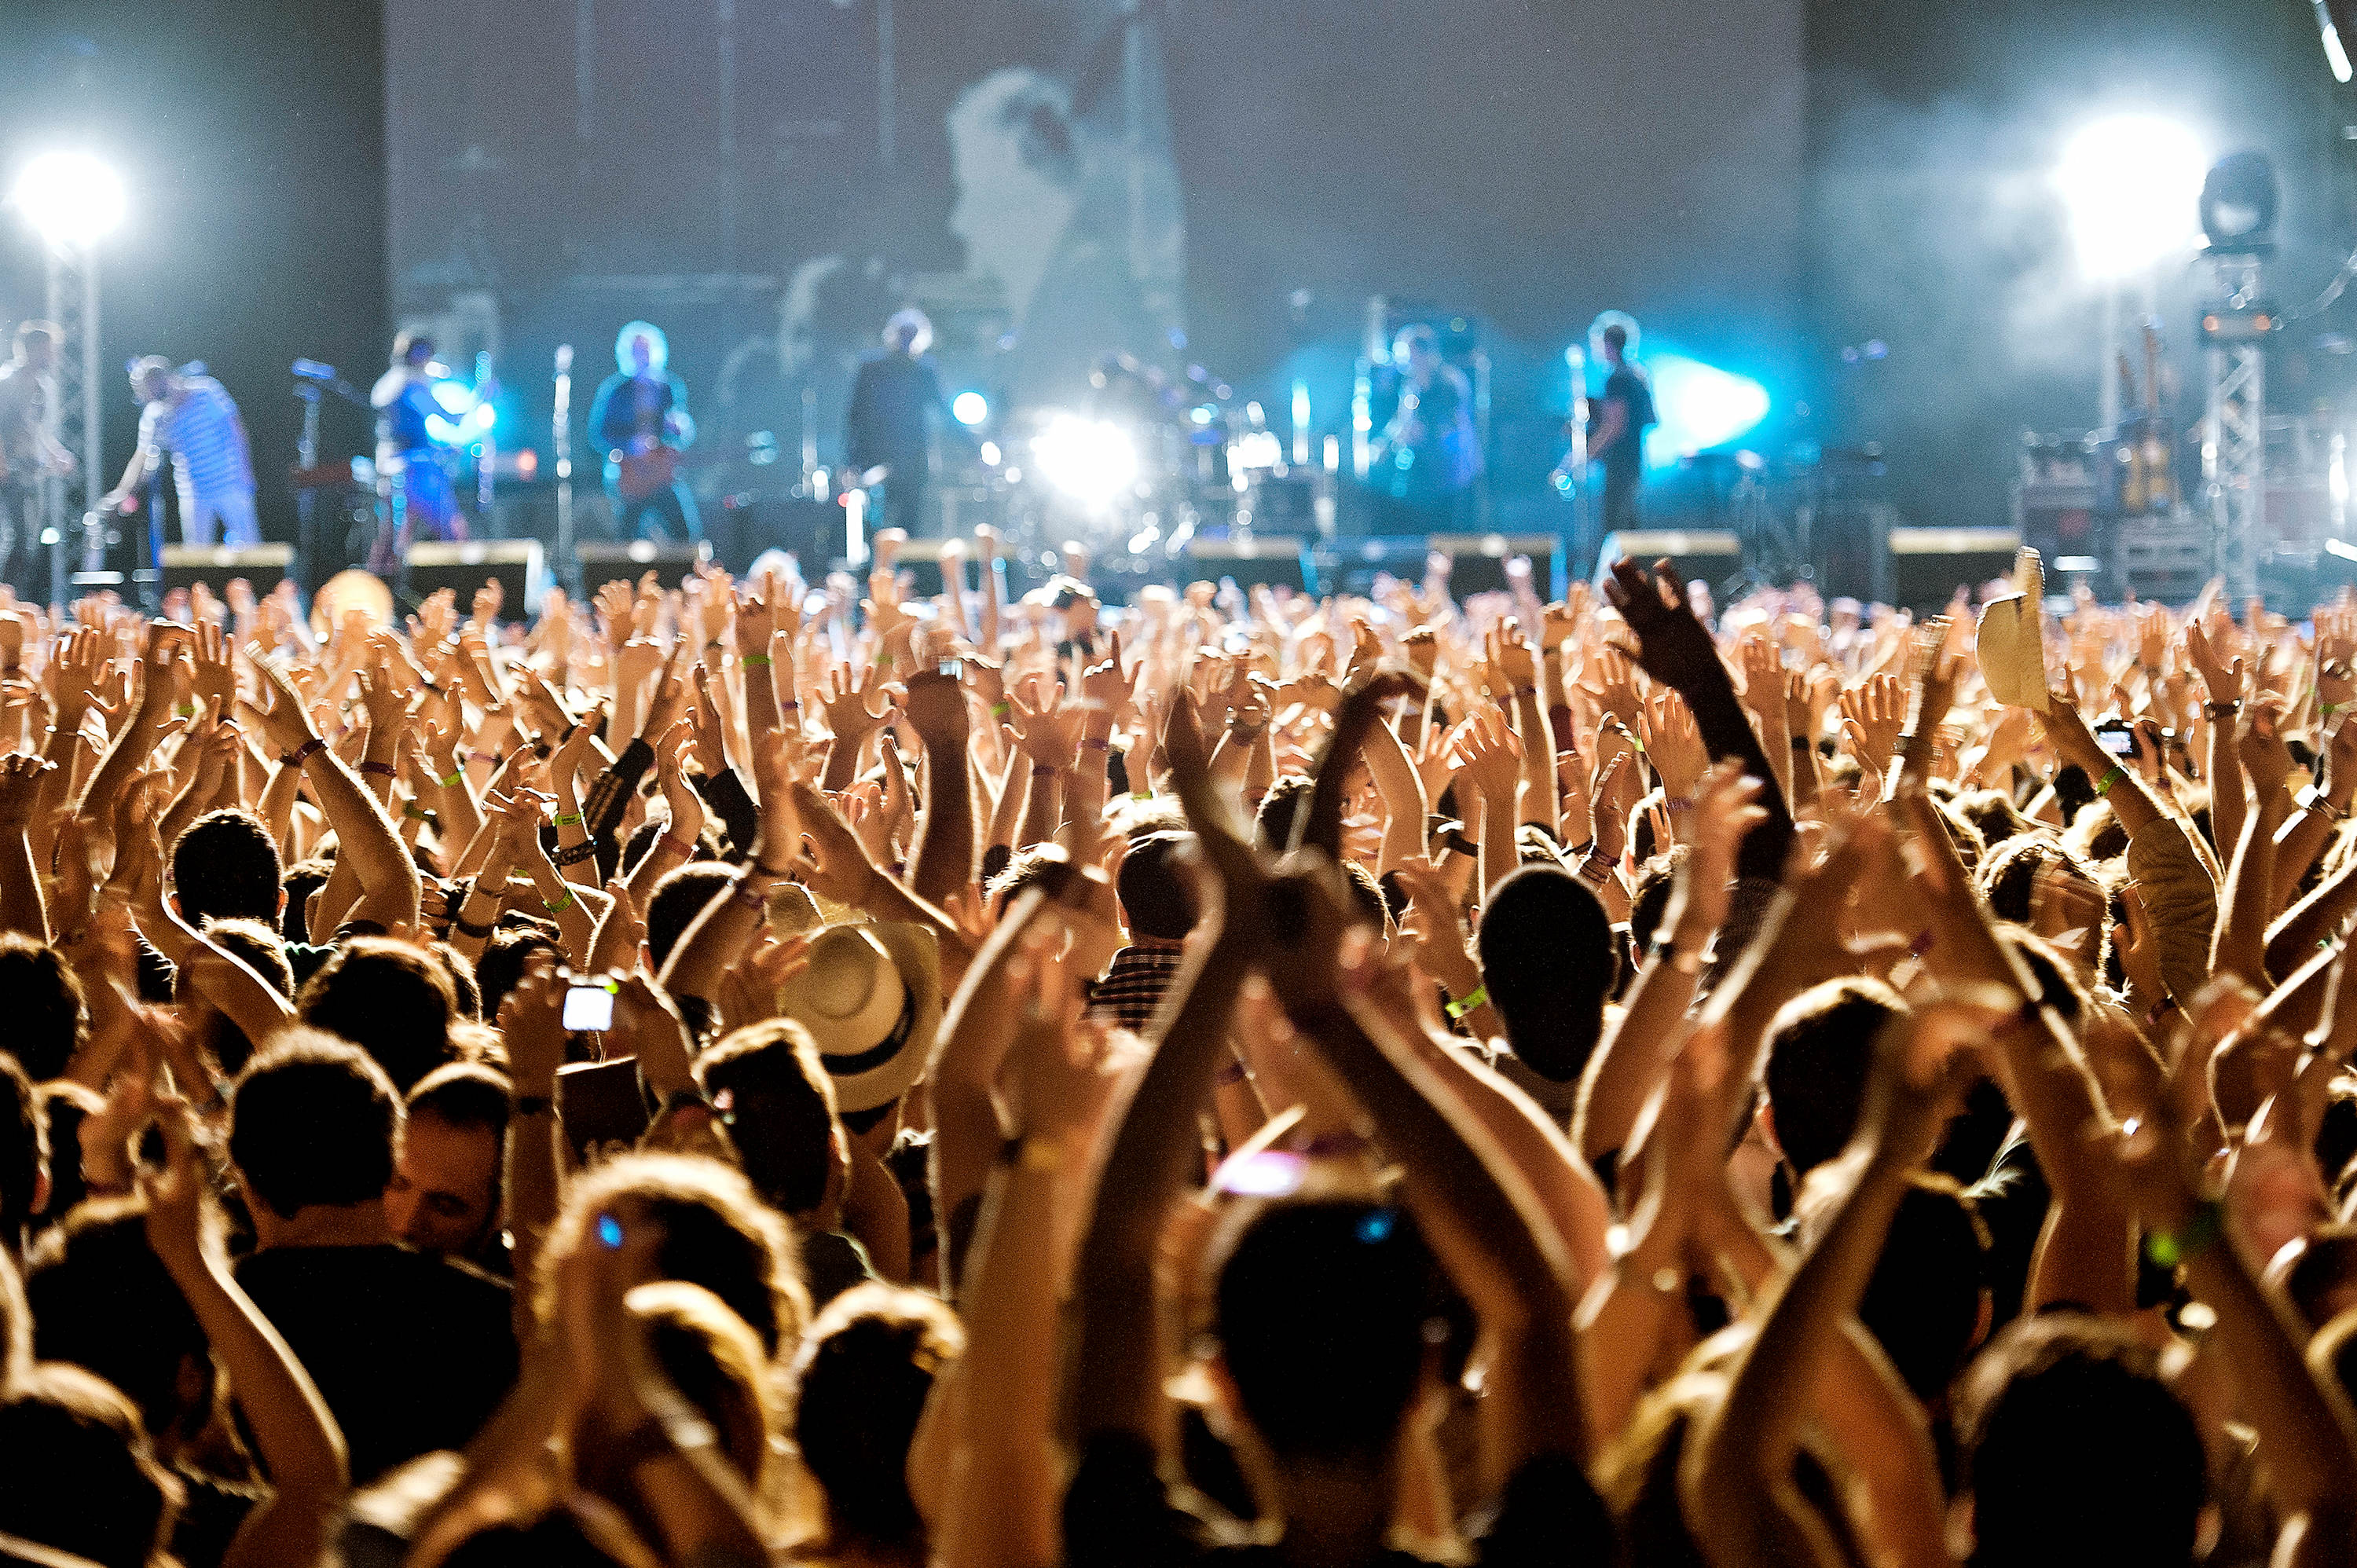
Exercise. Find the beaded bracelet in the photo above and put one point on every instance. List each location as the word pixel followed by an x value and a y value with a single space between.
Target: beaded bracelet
pixel 576 854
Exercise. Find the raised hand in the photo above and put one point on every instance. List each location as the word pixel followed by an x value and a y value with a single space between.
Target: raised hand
pixel 2262 751
pixel 1490 754
pixel 21 788
pixel 1878 710
pixel 1673 745
pixel 852 711
pixel 2222 674
pixel 1672 646
pixel 1046 729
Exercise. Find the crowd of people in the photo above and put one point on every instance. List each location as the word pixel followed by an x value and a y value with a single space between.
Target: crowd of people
pixel 756 1072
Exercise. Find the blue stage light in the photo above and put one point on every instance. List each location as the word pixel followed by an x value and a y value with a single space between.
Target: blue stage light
pixel 971 407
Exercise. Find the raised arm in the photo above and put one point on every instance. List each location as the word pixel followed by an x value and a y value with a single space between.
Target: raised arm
pixel 365 837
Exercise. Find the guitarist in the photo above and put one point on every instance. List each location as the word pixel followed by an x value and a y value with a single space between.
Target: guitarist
pixel 411 453
pixel 640 421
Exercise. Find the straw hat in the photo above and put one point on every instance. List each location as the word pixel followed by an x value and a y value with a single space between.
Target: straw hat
pixel 871 997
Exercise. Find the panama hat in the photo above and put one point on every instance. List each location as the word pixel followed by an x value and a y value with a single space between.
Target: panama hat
pixel 871 997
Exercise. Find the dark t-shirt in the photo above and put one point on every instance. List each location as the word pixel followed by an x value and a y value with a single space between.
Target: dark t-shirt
pixel 411 1352
pixel 1629 387
pixel 1117 1511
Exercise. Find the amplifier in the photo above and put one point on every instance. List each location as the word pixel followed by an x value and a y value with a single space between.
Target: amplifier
pixel 1712 554
pixel 215 565
pixel 519 566
pixel 810 530
pixel 606 560
pixel 1477 562
pixel 1253 563
pixel 1288 505
pixel 2161 558
pixel 1928 564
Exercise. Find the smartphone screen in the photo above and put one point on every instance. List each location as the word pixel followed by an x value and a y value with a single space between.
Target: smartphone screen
pixel 2119 741
pixel 589 1008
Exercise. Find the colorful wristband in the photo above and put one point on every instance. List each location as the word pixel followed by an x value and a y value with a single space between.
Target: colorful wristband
pixel 1477 997
pixel 755 660
pixel 567 820
pixel 2104 785
pixel 304 753
pixel 675 846
pixel 453 780
pixel 378 769
pixel 559 906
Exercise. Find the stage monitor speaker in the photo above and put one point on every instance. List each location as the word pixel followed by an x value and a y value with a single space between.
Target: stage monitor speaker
pixel 1288 505
pixel 1253 563
pixel 1478 561
pixel 1351 566
pixel 920 559
pixel 519 566
pixel 808 530
pixel 1712 554
pixel 216 566
pixel 605 562
pixel 1928 564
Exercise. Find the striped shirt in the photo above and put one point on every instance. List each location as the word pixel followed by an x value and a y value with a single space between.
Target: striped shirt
pixel 200 429
pixel 1132 986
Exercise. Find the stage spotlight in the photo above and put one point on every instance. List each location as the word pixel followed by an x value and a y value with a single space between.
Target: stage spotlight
pixel 2238 204
pixel 71 199
pixel 2329 15
pixel 971 408
pixel 2130 184
pixel 1700 406
pixel 1091 461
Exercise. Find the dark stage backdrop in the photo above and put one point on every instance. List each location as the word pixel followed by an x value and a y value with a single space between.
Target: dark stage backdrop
pixel 251 137
pixel 1220 182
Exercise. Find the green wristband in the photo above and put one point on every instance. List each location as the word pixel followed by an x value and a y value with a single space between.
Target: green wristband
pixel 2168 1249
pixel 1479 996
pixel 455 780
pixel 2104 785
pixel 754 660
pixel 559 906
pixel 568 818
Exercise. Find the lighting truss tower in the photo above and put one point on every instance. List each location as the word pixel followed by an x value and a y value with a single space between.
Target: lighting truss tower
pixel 74 416
pixel 2233 421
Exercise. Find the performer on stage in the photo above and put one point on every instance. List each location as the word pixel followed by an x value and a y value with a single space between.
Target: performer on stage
pixel 190 415
pixel 1428 456
pixel 640 422
pixel 897 387
pixel 1617 423
pixel 414 432
pixel 29 454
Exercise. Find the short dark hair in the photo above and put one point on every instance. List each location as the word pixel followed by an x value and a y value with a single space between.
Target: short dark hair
pixel 2076 1451
pixel 678 898
pixel 389 998
pixel 225 866
pixel 47 331
pixel 464 1094
pixel 102 1299
pixel 716 1233
pixel 1155 898
pixel 41 996
pixel 2009 878
pixel 782 1115
pixel 312 1122
pixel 1545 947
pixel 861 1381
pixel 1320 1307
pixel 82 1477
pixel 23 1149
pixel 505 957
pixel 464 991
pixel 1820 1054
pixel 1924 1302
pixel 1616 337
pixel 1273 823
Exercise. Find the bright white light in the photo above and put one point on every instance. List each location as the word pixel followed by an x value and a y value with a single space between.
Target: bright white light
pixel 454 398
pixel 1089 460
pixel 971 407
pixel 71 199
pixel 990 452
pixel 1700 406
pixel 2132 188
pixel 2334 55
